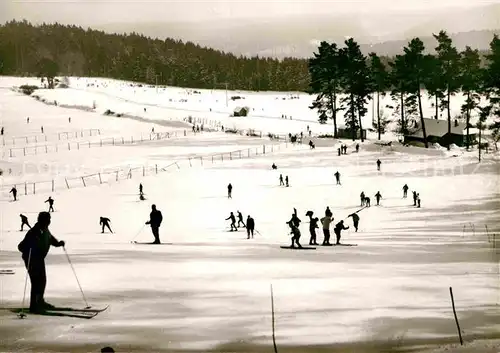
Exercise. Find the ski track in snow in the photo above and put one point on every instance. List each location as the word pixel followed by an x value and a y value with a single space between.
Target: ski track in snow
pixel 212 287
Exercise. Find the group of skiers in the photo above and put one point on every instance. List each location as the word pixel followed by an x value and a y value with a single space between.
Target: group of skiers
pixel 250 225
pixel 286 181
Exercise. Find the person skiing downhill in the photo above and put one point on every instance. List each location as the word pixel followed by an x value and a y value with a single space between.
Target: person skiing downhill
pixel 337 177
pixel 240 220
pixel 378 164
pixel 50 200
pixel 355 220
pixel 104 222
pixel 250 226
pixel 34 248
pixel 155 219
pixel 378 197
pixel 233 222
pixel 405 191
pixel 229 191
pixel 24 221
pixel 326 221
pixel 339 227
pixel 14 193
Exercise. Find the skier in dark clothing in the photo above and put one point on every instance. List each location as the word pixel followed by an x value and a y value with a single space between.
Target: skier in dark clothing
pixel 274 166
pixel 250 226
pixel 24 221
pixel 50 200
pixel 295 219
pixel 229 191
pixel 378 164
pixel 378 197
pixel 281 180
pixel 14 193
pixel 1 131
pixel 326 221
pixel 339 227
pixel 155 219
pixel 355 220
pixel 328 212
pixel 313 224
pixel 367 202
pixel 337 177
pixel 415 196
pixel 140 189
pixel 293 224
pixel 286 181
pixel 418 200
pixel 338 151
pixel 233 222
pixel 104 222
pixel 405 191
pixel 357 147
pixel 34 248
pixel 240 220
pixel 362 197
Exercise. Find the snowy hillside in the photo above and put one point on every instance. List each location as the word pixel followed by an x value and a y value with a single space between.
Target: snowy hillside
pixel 209 288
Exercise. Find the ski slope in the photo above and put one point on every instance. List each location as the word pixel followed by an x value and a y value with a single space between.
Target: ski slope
pixel 210 289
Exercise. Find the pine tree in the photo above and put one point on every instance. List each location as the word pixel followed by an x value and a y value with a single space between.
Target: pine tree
pixel 380 81
pixel 491 81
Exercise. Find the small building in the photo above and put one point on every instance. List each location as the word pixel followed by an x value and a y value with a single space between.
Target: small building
pixel 241 111
pixel 437 132
pixel 343 133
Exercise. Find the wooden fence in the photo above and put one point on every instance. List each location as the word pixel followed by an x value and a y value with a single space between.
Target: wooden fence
pixel 66 135
pixel 107 177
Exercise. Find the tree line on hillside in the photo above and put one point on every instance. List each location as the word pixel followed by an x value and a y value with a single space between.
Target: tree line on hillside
pixel 344 79
pixel 54 49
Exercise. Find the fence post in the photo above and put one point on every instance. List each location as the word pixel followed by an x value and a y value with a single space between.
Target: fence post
pixel 53 185
pixel 143 171
pixel 25 188
pixel 264 149
pixel 83 180
pixel 34 190
pixel 100 180
pixel 78 145
pixel 66 180
pixel 69 147
pixel 24 150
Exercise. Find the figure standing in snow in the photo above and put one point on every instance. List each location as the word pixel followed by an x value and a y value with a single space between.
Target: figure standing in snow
pixel 24 221
pixel 328 212
pixel 313 224
pixel 295 219
pixel 415 196
pixel 378 164
pixel 286 181
pixel 337 177
pixel 155 219
pixel 281 180
pixel 355 220
pixel 362 197
pixel 274 167
pixel 367 202
pixel 295 233
pixel 240 220
pixel 325 221
pixel 233 222
pixel 104 222
pixel 338 151
pixel 28 120
pixel 339 227
pixel 34 248
pixel 378 197
pixel 69 120
pixel 41 129
pixel 250 226
pixel 418 200
pixel 405 191
pixel 50 200
pixel 357 147
pixel 140 189
pixel 1 131
pixel 14 193
pixel 229 191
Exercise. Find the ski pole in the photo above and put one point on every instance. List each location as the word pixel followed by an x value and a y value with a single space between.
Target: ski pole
pixel 77 281
pixel 22 315
pixel 137 234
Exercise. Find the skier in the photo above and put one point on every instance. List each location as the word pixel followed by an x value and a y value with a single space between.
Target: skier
pixel 367 202
pixel 14 192
pixel 34 248
pixel 415 196
pixel 24 221
pixel 325 221
pixel 328 212
pixel 140 189
pixel 337 177
pixel 229 191
pixel 378 164
pixel 418 200
pixel 69 119
pixel 405 191
pixel 281 180
pixel 50 200
pixel 155 219
pixel 313 224
pixel 357 147
pixel 338 151
pixel 292 223
pixel 233 222
pixel 41 129
pixel 141 197
pixel 250 226
pixel 339 227
pixel 378 197
pixel 1 131
pixel 28 120
pixel 362 197
pixel 286 181
pixel 355 220
pixel 240 220
pixel 105 223
pixel 274 167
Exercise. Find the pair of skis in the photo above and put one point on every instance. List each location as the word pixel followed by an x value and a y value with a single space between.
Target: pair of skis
pixel 85 313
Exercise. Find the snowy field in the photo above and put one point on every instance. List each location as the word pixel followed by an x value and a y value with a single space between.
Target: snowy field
pixel 210 289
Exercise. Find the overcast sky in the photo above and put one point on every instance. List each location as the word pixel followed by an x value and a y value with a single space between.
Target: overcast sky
pixel 91 12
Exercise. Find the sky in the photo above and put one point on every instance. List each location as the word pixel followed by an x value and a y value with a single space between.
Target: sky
pixel 94 12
